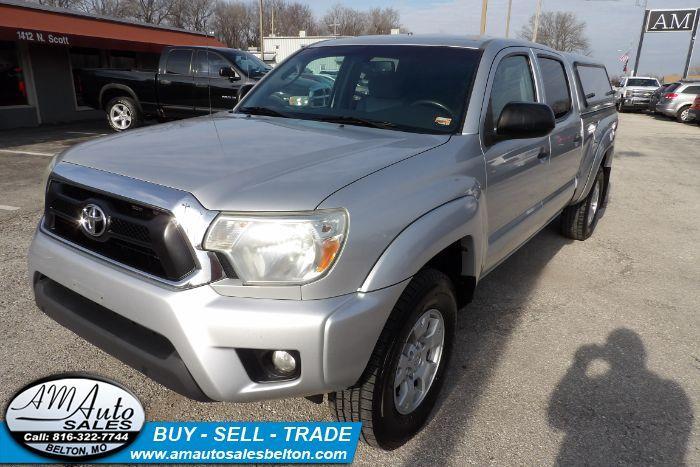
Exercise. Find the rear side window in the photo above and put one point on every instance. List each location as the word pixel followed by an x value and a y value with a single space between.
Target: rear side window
pixel 178 62
pixel 595 84
pixel 691 90
pixel 556 86
pixel 671 87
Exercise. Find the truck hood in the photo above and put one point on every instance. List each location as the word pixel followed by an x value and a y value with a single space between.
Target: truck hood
pixel 237 163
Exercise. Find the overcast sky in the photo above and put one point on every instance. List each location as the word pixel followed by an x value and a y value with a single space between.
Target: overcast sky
pixel 613 26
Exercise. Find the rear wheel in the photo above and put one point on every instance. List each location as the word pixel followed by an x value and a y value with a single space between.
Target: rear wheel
pixel 579 220
pixel 683 115
pixel 402 381
pixel 122 114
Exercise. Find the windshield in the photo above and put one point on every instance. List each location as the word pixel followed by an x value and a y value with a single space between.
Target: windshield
pixel 249 64
pixel 642 82
pixel 409 88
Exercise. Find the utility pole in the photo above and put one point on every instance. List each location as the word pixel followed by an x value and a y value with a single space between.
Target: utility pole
pixel 484 8
pixel 272 21
pixel 641 41
pixel 262 35
pixel 510 4
pixel 692 43
pixel 537 20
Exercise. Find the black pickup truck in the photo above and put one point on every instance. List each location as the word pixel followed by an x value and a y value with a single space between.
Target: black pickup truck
pixel 189 81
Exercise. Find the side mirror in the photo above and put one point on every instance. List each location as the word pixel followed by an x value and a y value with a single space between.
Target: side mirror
pixel 525 120
pixel 229 73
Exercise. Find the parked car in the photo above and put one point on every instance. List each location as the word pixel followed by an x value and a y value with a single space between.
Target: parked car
pixel 656 95
pixel 676 103
pixel 190 81
pixel 634 92
pixel 304 246
pixel 694 111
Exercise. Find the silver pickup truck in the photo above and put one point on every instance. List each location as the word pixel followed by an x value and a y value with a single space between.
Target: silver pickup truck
pixel 320 238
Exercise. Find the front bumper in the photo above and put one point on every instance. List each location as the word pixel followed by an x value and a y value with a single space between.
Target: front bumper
pixel 187 339
pixel 635 103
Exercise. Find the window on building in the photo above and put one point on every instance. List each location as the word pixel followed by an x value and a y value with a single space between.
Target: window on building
pixel 80 59
pixel 122 60
pixel 13 90
pixel 556 87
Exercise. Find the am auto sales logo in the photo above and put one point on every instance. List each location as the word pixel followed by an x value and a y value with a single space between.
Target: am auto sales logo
pixel 74 417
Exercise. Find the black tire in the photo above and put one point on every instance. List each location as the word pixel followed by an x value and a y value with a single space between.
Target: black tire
pixel 575 221
pixel 371 400
pixel 128 108
pixel 681 111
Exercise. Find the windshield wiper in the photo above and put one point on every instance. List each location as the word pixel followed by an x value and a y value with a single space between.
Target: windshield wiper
pixel 253 110
pixel 357 121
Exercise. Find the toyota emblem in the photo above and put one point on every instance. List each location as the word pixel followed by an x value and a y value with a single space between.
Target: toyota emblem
pixel 93 220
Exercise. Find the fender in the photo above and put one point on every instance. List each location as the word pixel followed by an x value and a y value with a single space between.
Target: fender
pixel 606 144
pixel 121 87
pixel 426 237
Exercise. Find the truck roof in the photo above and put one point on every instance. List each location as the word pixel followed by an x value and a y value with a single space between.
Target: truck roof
pixel 465 41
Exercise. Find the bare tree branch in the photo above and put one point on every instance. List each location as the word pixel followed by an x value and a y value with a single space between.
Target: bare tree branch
pixel 559 30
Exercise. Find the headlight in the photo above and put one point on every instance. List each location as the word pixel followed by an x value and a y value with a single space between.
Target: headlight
pixel 293 248
pixel 628 93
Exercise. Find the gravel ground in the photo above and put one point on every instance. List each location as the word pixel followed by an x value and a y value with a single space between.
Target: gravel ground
pixel 577 352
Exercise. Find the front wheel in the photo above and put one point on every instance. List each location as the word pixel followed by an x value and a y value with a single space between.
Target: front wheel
pixel 402 381
pixel 122 114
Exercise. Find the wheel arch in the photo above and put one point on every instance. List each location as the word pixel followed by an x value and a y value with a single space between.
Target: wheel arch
pixel 110 91
pixel 448 239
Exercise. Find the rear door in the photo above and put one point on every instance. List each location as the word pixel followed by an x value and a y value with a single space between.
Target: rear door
pixel 176 84
pixel 516 168
pixel 566 138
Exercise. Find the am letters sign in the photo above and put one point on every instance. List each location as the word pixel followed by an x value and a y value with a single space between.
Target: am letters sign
pixel 671 20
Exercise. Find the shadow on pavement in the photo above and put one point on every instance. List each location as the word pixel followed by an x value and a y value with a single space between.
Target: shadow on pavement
pixel 483 332
pixel 615 411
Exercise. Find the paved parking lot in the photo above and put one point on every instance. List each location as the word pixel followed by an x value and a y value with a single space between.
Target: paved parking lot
pixel 570 351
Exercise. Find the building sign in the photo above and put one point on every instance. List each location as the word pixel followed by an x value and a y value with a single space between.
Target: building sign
pixel 42 37
pixel 671 20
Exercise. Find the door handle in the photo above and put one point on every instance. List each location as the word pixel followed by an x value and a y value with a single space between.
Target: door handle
pixel 544 153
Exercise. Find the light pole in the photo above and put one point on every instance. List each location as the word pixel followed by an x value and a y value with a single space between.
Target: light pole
pixel 262 35
pixel 537 20
pixel 510 4
pixel 484 8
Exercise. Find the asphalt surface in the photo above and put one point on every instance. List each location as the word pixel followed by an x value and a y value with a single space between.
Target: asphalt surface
pixel 572 352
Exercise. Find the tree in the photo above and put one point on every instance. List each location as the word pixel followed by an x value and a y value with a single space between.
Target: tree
pixel 235 23
pixel 113 8
pixel 344 21
pixel 560 30
pixel 151 11
pixel 382 20
pixel 191 14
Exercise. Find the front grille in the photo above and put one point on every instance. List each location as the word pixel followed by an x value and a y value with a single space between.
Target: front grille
pixel 138 236
pixel 641 93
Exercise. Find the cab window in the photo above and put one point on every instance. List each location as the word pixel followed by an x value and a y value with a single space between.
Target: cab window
pixel 178 62
pixel 595 84
pixel 512 82
pixel 556 86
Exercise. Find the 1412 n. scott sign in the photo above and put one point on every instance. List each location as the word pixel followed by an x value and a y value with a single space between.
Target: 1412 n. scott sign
pixel 671 20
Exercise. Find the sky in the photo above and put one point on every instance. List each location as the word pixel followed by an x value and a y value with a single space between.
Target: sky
pixel 612 26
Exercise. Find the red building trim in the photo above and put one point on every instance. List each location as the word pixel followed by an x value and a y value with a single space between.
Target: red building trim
pixel 50 28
